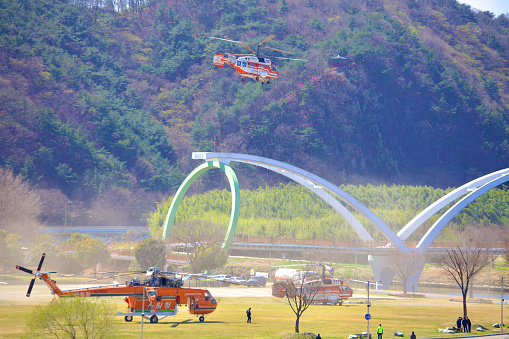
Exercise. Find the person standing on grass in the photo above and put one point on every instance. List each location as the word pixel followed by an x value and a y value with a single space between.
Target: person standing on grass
pixel 248 312
pixel 464 324
pixel 412 336
pixel 380 331
pixel 469 324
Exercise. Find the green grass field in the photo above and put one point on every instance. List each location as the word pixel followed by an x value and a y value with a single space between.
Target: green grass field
pixel 271 316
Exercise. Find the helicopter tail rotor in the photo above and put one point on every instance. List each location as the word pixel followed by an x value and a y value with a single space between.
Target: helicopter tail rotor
pixel 26 270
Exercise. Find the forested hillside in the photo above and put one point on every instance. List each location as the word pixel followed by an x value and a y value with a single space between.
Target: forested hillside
pixel 104 100
pixel 294 211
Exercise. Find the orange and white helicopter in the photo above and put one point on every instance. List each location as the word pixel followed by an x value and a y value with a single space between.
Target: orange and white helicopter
pixel 154 298
pixel 253 66
pixel 331 291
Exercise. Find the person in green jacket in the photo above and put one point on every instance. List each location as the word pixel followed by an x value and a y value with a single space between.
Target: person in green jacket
pixel 380 331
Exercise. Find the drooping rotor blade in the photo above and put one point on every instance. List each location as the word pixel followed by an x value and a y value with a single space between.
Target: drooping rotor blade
pixel 275 49
pixel 41 261
pixel 30 287
pixel 114 276
pixel 237 42
pixel 270 37
pixel 24 269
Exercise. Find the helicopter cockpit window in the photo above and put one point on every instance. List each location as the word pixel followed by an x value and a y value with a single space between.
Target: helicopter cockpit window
pixel 262 60
pixel 207 296
pixel 273 68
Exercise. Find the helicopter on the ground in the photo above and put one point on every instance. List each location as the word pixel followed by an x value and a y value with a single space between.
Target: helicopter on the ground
pixel 332 290
pixel 153 298
pixel 253 66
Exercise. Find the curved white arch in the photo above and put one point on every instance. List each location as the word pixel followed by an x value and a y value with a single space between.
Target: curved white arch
pixel 318 185
pixel 427 213
pixel 434 230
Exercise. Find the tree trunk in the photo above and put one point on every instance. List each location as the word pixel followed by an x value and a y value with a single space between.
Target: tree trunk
pixel 464 293
pixel 405 280
pixel 297 325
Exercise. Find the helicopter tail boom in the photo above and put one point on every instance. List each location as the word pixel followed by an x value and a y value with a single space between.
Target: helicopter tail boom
pixel 218 60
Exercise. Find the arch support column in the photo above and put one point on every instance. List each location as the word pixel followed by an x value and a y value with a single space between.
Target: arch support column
pixel 195 174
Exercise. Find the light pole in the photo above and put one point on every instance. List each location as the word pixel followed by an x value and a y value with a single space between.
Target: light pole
pixel 368 316
pixel 65 212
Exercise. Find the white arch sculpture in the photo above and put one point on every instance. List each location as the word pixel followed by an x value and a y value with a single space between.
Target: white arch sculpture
pixel 322 188
pixel 319 186
pixel 479 186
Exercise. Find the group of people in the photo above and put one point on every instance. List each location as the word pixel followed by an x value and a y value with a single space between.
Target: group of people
pixel 463 324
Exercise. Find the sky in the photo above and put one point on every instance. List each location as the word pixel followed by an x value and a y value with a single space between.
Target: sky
pixel 495 6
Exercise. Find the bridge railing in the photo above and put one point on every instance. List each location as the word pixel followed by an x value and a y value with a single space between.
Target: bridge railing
pixel 347 243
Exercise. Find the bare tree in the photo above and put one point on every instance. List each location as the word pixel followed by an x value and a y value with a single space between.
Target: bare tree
pixel 300 295
pixel 463 263
pixel 406 264
pixel 20 205
pixel 202 243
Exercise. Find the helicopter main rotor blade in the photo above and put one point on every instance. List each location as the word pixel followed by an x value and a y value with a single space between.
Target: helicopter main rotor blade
pixel 41 261
pixel 295 60
pixel 30 287
pixel 275 49
pixel 26 270
pixel 237 42
pixel 270 37
pixel 247 46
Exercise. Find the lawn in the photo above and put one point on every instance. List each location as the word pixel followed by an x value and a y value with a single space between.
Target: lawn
pixel 271 316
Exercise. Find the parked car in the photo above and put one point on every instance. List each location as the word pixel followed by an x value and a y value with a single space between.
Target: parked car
pixel 220 277
pixel 236 281
pixel 257 281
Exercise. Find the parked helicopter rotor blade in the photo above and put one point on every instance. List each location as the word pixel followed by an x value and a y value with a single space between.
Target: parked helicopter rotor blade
pixel 270 37
pixel 24 269
pixel 114 276
pixel 30 287
pixel 41 261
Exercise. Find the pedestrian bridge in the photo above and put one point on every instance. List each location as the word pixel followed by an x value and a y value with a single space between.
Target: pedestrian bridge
pixel 105 233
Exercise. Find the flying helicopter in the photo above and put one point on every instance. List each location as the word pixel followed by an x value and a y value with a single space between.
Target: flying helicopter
pixel 254 66
pixel 154 298
pixel 332 290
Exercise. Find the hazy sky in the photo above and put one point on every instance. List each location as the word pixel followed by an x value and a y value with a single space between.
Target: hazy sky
pixel 495 6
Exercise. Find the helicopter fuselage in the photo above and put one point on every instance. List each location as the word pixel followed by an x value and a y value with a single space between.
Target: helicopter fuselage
pixel 254 67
